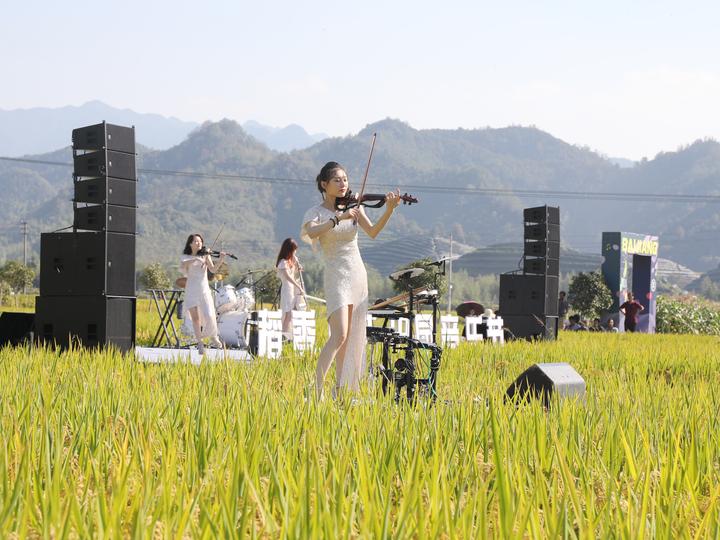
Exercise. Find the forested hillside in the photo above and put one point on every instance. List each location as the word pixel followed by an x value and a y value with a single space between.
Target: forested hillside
pixel 463 178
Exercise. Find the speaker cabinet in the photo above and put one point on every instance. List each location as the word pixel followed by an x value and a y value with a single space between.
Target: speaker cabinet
pixel 15 328
pixel 532 326
pixel 542 381
pixel 105 163
pixel 105 217
pixel 106 190
pixel 550 233
pixel 541 248
pixel 542 214
pixel 522 294
pixel 91 320
pixel 104 136
pixel 87 263
pixel 541 265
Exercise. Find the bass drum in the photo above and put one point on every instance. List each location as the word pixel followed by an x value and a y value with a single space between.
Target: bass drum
pixel 226 299
pixel 232 329
pixel 245 299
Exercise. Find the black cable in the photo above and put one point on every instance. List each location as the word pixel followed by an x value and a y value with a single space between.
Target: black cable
pixel 498 192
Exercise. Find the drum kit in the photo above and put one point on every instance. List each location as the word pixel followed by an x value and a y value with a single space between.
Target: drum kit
pixel 233 305
pixel 406 364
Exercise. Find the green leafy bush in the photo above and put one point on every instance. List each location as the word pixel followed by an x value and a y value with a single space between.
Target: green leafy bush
pixel 687 315
pixel 589 295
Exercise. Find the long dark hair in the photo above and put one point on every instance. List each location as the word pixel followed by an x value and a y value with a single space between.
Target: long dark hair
pixel 188 249
pixel 289 246
pixel 326 174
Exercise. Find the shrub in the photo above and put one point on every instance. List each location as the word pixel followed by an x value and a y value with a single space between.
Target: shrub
pixel 687 315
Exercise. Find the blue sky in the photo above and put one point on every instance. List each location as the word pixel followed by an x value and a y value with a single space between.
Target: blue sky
pixel 627 79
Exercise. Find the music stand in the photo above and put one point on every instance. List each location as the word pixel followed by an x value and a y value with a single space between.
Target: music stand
pixel 166 301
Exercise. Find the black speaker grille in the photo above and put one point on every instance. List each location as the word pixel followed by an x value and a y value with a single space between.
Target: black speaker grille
pixel 87 263
pixel 104 136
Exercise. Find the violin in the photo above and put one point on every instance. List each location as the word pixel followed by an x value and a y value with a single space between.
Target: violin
pixel 213 253
pixel 371 200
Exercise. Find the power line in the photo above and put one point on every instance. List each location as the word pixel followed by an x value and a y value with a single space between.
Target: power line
pixel 487 192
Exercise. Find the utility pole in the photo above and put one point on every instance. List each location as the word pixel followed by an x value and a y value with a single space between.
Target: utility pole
pixel 450 287
pixel 24 233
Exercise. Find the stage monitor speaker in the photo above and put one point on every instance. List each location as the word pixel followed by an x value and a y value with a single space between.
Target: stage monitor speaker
pixel 105 217
pixel 87 263
pixel 105 163
pixel 546 232
pixel 542 381
pixel 531 326
pixel 542 214
pixel 15 328
pixel 106 190
pixel 91 320
pixel 522 294
pixel 104 136
pixel 541 248
pixel 541 265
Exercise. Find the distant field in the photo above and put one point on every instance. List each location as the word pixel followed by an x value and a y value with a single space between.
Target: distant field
pixel 94 444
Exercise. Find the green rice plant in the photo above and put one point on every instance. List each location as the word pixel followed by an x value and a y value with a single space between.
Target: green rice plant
pixel 95 444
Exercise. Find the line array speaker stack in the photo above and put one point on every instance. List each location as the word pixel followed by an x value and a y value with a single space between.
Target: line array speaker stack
pixel 87 276
pixel 529 301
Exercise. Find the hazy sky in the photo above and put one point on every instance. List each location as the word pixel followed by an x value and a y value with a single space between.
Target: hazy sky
pixel 628 79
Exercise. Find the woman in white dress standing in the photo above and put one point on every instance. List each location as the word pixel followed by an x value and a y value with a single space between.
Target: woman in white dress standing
pixel 346 289
pixel 198 302
pixel 291 291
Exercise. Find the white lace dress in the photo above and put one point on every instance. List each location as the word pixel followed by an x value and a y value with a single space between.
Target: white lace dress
pixel 197 294
pixel 290 297
pixel 345 284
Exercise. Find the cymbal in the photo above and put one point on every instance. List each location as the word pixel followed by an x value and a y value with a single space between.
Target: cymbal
pixel 407 273
pixel 444 259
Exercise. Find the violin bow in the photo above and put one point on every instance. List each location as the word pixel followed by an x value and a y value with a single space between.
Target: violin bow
pixel 217 237
pixel 367 168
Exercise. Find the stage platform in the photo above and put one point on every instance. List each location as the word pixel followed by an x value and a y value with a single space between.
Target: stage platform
pixel 160 355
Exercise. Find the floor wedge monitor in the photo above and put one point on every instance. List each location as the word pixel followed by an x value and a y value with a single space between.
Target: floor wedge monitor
pixel 543 381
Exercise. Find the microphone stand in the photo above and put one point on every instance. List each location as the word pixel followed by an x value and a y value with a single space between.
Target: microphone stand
pixel 437 273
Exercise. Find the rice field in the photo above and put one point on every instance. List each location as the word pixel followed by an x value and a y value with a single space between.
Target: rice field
pixel 97 445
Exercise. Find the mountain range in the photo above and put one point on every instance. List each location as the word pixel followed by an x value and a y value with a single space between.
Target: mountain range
pixel 42 129
pixel 472 184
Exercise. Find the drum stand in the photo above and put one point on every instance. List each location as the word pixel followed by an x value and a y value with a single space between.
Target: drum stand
pixel 166 301
pixel 403 372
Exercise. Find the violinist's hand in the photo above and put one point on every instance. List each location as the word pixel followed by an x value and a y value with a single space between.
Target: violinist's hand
pixel 392 199
pixel 353 214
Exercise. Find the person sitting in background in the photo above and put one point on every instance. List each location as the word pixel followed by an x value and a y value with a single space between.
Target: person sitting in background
pixel 610 327
pixel 596 326
pixel 575 324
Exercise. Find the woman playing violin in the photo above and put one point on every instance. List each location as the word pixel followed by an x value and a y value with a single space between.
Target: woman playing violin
pixel 346 289
pixel 198 303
